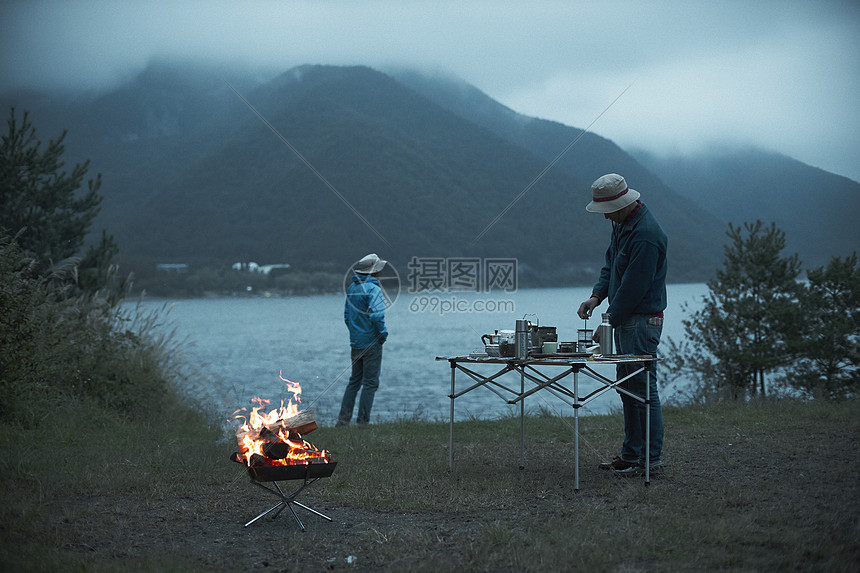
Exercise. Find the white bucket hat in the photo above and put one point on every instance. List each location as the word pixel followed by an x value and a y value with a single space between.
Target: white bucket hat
pixel 370 264
pixel 609 194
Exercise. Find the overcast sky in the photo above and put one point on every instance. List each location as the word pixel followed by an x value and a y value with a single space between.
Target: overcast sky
pixel 783 75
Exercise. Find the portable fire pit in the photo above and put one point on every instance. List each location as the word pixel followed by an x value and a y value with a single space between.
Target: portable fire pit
pixel 272 448
pixel 308 472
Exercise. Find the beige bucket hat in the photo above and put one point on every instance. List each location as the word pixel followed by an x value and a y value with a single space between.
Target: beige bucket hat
pixel 370 264
pixel 610 193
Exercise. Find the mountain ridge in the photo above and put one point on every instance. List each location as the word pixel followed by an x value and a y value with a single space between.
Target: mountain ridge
pixel 402 164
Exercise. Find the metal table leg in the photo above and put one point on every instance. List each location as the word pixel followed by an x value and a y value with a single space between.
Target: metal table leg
pixel 522 421
pixel 647 425
pixel 451 427
pixel 576 429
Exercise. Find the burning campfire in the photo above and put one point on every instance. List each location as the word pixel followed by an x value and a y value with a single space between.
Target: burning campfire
pixel 271 443
pixel 272 448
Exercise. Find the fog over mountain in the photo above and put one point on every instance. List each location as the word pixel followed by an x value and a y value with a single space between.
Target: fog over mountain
pixel 333 162
pixel 672 78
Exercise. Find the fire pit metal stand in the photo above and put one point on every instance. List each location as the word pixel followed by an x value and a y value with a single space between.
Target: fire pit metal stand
pixel 287 501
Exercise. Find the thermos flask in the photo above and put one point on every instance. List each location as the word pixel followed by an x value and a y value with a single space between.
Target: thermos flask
pixel 522 339
pixel 605 331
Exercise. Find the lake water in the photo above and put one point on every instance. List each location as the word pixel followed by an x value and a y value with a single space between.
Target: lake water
pixel 241 347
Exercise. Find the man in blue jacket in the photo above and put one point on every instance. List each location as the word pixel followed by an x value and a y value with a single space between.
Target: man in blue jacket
pixel 633 279
pixel 364 314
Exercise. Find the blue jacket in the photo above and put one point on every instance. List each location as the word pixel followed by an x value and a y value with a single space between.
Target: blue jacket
pixel 634 275
pixel 364 311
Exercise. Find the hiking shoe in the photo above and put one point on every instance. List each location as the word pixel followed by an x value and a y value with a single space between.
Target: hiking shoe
pixel 617 464
pixel 633 471
pixel 636 470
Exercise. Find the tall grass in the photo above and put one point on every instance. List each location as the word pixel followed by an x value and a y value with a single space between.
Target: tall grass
pixel 57 348
pixel 88 411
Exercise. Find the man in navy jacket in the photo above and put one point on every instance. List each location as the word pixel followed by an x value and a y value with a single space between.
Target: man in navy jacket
pixel 633 279
pixel 364 315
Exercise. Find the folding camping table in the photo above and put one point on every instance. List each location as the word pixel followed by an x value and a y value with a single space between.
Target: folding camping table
pixel 533 370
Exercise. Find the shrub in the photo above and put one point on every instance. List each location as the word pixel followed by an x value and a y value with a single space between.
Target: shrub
pixel 54 348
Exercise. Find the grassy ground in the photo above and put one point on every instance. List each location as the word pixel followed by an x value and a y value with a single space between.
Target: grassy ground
pixel 769 486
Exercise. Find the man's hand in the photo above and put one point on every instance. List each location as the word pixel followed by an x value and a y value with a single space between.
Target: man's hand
pixel 587 307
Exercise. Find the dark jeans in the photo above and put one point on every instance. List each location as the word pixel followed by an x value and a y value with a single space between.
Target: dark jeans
pixel 640 334
pixel 366 365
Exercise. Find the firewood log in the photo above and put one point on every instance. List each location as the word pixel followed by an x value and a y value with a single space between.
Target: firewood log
pixel 269 434
pixel 276 450
pixel 258 461
pixel 303 422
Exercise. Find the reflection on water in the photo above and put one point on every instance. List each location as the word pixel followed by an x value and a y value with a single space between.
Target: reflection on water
pixel 241 345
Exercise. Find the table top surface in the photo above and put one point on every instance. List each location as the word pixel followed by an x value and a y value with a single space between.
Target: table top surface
pixel 559 359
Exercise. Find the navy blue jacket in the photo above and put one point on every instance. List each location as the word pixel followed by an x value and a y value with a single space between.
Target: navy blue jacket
pixel 364 311
pixel 634 275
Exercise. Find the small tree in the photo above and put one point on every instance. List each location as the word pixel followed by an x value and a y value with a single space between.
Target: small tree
pixel 827 342
pixel 741 334
pixel 41 204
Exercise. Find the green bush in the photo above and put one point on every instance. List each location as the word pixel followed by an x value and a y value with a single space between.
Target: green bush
pixel 54 348
pixel 760 323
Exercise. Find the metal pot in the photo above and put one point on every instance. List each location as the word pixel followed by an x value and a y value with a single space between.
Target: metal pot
pixel 566 347
pixel 496 344
pixel 490 339
pixel 505 349
pixel 546 334
pixel 539 334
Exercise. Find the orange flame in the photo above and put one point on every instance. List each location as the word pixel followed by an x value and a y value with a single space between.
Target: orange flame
pixel 293 388
pixel 262 431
